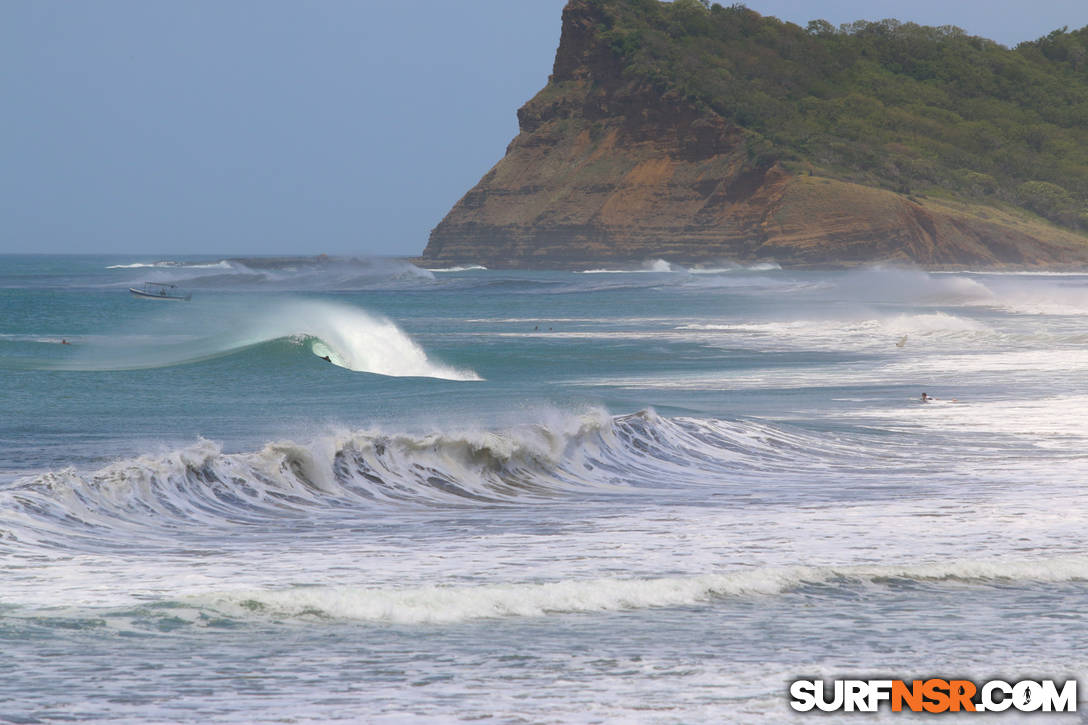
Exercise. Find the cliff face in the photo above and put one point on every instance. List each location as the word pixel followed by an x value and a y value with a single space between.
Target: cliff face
pixel 612 167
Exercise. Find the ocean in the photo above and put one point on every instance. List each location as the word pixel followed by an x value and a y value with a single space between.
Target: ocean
pixel 357 490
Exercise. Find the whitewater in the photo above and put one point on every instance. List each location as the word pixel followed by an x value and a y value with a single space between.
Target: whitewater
pixel 336 489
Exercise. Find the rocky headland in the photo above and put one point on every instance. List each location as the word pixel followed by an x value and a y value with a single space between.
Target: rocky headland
pixel 705 134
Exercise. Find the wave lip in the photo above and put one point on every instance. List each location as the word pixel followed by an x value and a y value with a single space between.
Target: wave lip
pixel 202 485
pixel 354 339
pixel 589 455
pixel 344 335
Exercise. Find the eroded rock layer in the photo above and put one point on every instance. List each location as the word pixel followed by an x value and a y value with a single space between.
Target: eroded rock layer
pixel 609 168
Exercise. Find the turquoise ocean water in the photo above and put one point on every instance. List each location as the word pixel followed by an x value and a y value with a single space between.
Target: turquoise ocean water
pixel 652 495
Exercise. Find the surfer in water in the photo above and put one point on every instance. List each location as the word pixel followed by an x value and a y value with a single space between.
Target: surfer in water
pixel 926 398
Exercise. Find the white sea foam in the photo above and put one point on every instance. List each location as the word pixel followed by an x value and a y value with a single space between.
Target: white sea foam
pixel 142 265
pixel 587 453
pixel 351 338
pixel 456 603
pixel 683 550
pixel 1054 422
pixel 936 331
pixel 850 333
pixel 168 264
pixel 731 268
pixel 1019 293
pixel 199 483
pixel 1023 273
pixel 1064 301
pixel 925 370
pixel 896 284
pixel 653 266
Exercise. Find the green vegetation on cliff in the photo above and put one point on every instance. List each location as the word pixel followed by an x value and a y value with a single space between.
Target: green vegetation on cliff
pixel 913 109
pixel 695 133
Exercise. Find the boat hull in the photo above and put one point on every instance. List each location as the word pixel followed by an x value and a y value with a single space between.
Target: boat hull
pixel 157 296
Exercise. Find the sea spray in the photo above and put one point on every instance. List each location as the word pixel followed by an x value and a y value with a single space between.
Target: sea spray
pixel 909 284
pixel 346 335
pixel 352 338
pixel 570 457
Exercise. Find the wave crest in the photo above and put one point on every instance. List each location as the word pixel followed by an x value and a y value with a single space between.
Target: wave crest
pixel 346 336
pixel 591 454
pixel 320 272
pixel 443 604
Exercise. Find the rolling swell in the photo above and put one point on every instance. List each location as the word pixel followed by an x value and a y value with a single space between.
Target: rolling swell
pixel 587 455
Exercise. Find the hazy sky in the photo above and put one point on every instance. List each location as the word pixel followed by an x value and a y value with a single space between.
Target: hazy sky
pixel 153 127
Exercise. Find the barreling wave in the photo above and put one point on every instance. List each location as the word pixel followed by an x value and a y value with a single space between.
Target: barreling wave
pixel 344 335
pixel 579 455
pixel 444 604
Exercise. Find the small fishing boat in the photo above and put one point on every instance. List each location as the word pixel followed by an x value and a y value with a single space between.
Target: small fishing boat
pixel 161 291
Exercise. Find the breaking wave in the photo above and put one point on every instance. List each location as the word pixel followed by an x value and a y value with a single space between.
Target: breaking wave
pixel 658 266
pixel 908 284
pixel 661 266
pixel 728 268
pixel 171 264
pixel 346 336
pixel 588 455
pixel 464 268
pixel 320 272
pixel 443 604
pixel 937 329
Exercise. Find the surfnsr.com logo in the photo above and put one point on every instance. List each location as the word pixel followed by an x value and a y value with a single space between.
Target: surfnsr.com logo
pixel 933 695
